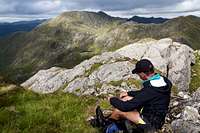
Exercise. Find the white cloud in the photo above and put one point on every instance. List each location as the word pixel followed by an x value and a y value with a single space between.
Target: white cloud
pixel 188 5
pixel 122 8
pixel 45 6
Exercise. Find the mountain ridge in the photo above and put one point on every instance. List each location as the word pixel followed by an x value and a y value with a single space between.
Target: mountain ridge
pixel 149 20
pixel 23 26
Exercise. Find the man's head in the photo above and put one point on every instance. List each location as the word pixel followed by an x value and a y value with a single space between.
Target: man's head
pixel 144 68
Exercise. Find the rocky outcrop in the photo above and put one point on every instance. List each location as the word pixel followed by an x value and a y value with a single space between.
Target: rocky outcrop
pixel 185 113
pixel 99 75
pixel 171 58
pixel 111 71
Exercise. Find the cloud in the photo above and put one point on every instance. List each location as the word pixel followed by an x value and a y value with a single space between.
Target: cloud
pixel 121 8
pixel 24 7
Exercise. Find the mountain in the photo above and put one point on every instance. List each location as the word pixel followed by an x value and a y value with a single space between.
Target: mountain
pixel 150 20
pixel 64 41
pixel 73 37
pixel 8 28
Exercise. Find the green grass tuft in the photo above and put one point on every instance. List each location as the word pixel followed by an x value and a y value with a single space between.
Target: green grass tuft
pixel 93 68
pixel 135 82
pixel 174 90
pixel 116 83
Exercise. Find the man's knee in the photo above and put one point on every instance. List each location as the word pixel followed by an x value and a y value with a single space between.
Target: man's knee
pixel 118 113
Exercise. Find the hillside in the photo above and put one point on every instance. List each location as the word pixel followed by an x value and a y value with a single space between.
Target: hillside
pixel 9 28
pixel 64 41
pixel 72 37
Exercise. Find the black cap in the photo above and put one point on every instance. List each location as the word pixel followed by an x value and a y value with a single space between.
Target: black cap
pixel 143 65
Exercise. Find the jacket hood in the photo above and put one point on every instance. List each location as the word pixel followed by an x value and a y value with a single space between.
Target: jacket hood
pixel 161 84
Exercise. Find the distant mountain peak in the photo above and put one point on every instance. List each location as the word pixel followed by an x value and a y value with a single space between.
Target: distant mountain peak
pixel 102 13
pixel 82 13
pixel 85 17
pixel 149 20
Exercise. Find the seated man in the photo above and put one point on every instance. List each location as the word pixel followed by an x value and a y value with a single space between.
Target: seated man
pixel 153 98
pixel 147 107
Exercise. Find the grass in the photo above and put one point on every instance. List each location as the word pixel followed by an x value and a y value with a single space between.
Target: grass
pixel 135 82
pixel 174 90
pixel 116 83
pixel 24 111
pixel 93 68
pixel 195 78
pixel 129 82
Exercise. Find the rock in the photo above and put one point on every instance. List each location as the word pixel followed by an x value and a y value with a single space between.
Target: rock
pixel 47 81
pixel 175 103
pixel 106 72
pixel 185 113
pixel 180 62
pixel 181 126
pixel 99 81
pixel 184 95
pixel 190 114
pixel 77 86
pixel 171 58
pixel 113 72
pixel 196 95
pixel 108 89
pixel 84 79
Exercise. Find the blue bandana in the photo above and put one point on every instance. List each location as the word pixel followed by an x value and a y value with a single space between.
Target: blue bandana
pixel 154 77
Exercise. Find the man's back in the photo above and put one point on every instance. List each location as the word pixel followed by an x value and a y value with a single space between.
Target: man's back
pixel 156 109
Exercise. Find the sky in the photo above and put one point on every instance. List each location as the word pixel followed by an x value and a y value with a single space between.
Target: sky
pixel 19 10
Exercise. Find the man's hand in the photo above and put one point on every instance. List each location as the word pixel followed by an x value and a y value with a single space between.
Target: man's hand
pixel 123 94
pixel 109 98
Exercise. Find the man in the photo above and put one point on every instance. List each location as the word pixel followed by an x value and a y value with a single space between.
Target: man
pixel 148 107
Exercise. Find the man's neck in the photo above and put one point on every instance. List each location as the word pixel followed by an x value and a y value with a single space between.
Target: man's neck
pixel 150 75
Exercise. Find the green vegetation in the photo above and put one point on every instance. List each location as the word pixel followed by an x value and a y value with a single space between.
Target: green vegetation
pixel 129 82
pixel 174 90
pixel 105 104
pixel 135 82
pixel 195 78
pixel 25 111
pixel 116 83
pixel 93 68
pixel 98 85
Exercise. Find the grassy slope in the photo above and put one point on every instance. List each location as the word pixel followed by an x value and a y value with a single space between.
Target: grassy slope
pixel 195 84
pixel 24 111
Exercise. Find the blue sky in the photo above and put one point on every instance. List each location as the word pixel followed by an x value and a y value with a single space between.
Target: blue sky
pixel 14 10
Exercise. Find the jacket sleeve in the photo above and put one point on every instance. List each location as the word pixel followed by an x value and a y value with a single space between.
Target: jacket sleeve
pixel 133 93
pixel 139 100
